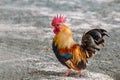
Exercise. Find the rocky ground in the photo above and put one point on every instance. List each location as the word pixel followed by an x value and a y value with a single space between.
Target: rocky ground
pixel 26 37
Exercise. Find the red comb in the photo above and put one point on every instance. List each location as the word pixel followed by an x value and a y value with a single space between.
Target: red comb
pixel 58 19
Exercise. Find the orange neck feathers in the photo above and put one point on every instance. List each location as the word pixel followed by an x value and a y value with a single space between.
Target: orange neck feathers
pixel 64 38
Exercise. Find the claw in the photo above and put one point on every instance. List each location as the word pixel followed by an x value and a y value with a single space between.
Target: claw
pixel 79 73
pixel 67 73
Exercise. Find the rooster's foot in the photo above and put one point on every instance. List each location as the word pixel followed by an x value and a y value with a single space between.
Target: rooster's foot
pixel 79 73
pixel 67 73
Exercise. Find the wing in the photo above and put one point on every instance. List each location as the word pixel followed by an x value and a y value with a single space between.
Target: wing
pixel 79 57
pixel 73 57
pixel 61 57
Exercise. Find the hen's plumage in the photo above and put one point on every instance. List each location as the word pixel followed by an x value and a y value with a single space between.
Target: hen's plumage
pixel 68 52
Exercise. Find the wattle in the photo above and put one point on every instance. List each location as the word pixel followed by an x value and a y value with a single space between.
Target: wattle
pixel 56 31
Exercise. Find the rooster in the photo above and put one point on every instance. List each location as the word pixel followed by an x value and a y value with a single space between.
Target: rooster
pixel 71 54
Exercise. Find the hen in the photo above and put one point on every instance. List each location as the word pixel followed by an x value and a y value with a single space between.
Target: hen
pixel 68 51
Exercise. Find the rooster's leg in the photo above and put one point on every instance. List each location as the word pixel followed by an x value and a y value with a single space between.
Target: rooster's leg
pixel 68 72
pixel 79 73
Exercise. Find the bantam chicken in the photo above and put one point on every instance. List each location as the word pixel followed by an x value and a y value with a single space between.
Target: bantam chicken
pixel 71 54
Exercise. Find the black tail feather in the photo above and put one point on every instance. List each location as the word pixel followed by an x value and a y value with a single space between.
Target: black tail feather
pixel 92 39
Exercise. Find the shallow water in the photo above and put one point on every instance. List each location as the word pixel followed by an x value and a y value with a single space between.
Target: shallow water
pixel 26 36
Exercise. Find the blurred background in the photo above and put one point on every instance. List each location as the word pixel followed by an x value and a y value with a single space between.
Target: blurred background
pixel 26 36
